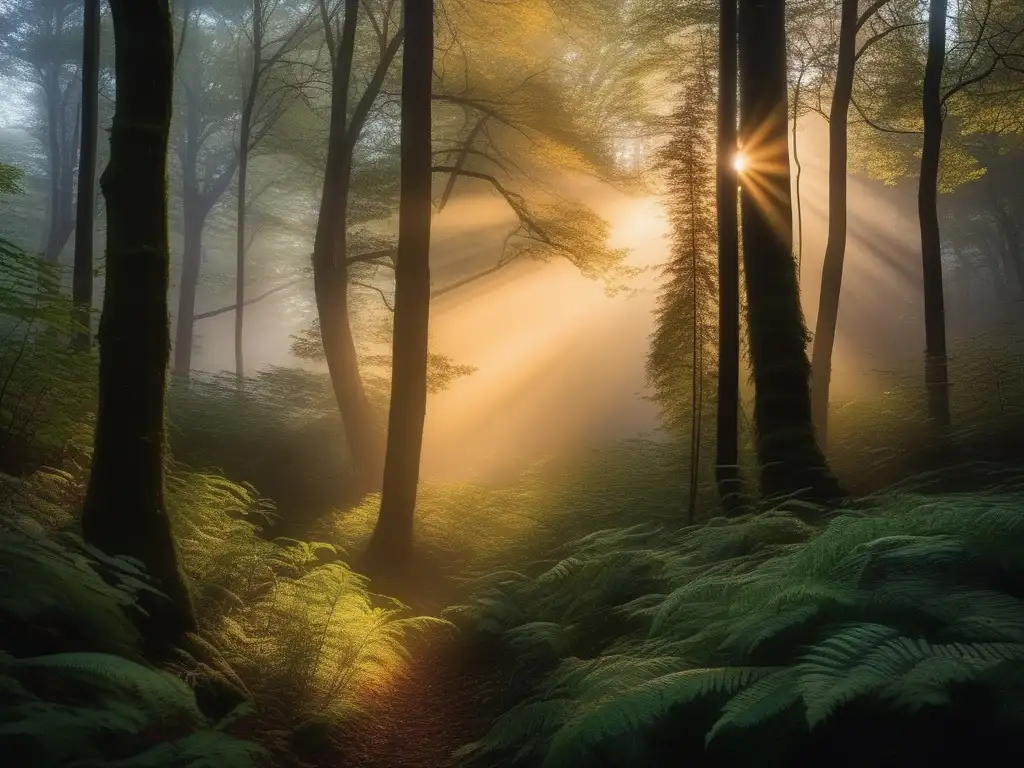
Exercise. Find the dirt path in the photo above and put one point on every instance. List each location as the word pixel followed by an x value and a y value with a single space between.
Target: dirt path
pixel 445 701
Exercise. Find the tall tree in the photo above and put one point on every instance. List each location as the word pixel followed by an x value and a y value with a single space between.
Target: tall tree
pixel 81 289
pixel 331 261
pixel 835 248
pixel 791 461
pixel 850 23
pixel 392 538
pixel 125 511
pixel 40 40
pixel 727 472
pixel 936 371
pixel 206 156
pixel 265 97
pixel 684 329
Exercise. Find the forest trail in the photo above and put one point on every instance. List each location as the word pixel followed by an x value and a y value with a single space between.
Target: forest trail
pixel 444 701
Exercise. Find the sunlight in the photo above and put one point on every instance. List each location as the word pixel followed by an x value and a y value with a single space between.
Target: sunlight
pixel 739 162
pixel 538 333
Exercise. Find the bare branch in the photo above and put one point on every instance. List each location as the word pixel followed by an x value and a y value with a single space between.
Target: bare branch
pixel 247 302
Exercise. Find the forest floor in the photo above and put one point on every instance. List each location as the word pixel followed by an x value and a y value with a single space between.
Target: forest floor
pixel 446 699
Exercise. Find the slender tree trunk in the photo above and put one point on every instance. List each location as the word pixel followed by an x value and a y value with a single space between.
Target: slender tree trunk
pixel 727 473
pixel 81 289
pixel 696 363
pixel 835 249
pixel 392 539
pixel 330 275
pixel 191 263
pixel 936 375
pixel 243 169
pixel 244 134
pixel 125 511
pixel 791 461
pixel 54 125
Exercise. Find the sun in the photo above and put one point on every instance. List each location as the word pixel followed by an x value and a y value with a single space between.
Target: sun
pixel 739 162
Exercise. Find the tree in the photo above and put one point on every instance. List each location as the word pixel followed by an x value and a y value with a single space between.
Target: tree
pixel 936 374
pixel 730 486
pixel 204 150
pixel 330 253
pixel 684 331
pixel 392 538
pixel 81 289
pixel 975 77
pixel 125 511
pixel 39 38
pixel 265 97
pixel 835 248
pixel 790 459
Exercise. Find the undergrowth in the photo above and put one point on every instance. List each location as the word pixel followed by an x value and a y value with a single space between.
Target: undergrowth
pixel 289 633
pixel 744 639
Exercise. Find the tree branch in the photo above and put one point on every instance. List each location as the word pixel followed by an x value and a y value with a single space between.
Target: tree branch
pixel 247 302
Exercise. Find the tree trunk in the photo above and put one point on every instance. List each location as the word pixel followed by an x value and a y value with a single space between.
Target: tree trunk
pixel 191 262
pixel 330 276
pixel 61 162
pixel 835 249
pixel 244 132
pixel 936 376
pixel 696 359
pixel 727 474
pixel 81 289
pixel 243 171
pixel 125 511
pixel 791 461
pixel 392 538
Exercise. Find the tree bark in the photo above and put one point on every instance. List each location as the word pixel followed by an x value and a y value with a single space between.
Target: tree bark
pixel 82 280
pixel 125 511
pixel 727 474
pixel 392 539
pixel 790 459
pixel 936 375
pixel 835 248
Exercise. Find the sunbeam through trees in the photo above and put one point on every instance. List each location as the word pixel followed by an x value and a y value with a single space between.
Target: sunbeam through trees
pixel 521 384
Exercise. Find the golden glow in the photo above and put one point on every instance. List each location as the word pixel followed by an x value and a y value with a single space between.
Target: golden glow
pixel 739 162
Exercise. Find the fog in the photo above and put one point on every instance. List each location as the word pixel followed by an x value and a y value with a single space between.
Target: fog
pixel 560 365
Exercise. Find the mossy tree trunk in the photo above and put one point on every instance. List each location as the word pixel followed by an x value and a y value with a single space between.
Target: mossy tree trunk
pixel 125 510
pixel 392 538
pixel 790 459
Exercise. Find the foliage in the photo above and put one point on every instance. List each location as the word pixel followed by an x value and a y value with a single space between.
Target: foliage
pixel 71 663
pixel 686 314
pixel 651 631
pixel 45 388
pixel 10 179
pixel 286 624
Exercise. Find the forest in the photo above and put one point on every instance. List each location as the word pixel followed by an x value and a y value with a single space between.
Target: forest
pixel 511 383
